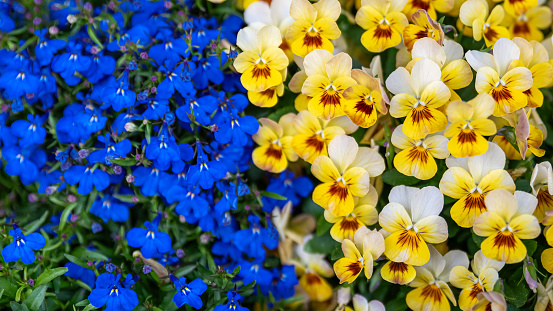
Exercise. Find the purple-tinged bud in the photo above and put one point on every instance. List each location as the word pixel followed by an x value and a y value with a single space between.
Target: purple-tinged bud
pixel 153 89
pixel 213 45
pixel 189 36
pixel 530 274
pixel 65 166
pixel 5 108
pixel 11 196
pixel 153 78
pixel 182 219
pixel 30 95
pixel 1 267
pixel 93 50
pixel 117 237
pixel 89 263
pixel 71 198
pixel 214 128
pixel 2 212
pixel 146 269
pixel 137 157
pixel 53 30
pixel 256 193
pixel 88 6
pixel 90 20
pixel 50 190
pixel 118 170
pixel 144 55
pixel 28 15
pixel 37 21
pixel 130 127
pixel 71 18
pixel 31 282
pixel 83 153
pixel 180 253
pixel 247 208
pixel 204 238
pixel 64 236
pixel 110 267
pixel 137 260
pixel 37 1
pixel 130 179
pixel 96 227
pixel 180 13
pixel 74 217
pixel 36 9
pixel 39 258
pixel 123 49
pixel 111 5
pixel 32 197
pixel 167 4
pixel 135 199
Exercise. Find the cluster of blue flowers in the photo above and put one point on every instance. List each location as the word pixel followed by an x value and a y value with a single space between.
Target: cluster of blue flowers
pixel 134 103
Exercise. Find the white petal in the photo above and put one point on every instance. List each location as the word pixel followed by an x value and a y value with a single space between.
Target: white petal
pixel 453 51
pixel 259 12
pixel 403 195
pixel 482 165
pixel 360 303
pixel 423 73
pixel 477 60
pixel 526 203
pixel 429 48
pixel 504 52
pixel 342 149
pixel 426 202
pixel 453 259
pixel 399 81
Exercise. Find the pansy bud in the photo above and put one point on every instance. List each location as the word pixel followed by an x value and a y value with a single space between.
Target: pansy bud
pixel 530 275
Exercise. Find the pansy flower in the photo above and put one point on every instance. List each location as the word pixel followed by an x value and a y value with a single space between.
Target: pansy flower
pixel 508 219
pixel 530 24
pixel 275 147
pixel 474 14
pixel 471 179
pixel 431 6
pixel 547 254
pixel 423 27
pixel 383 22
pixel 364 100
pixel 541 183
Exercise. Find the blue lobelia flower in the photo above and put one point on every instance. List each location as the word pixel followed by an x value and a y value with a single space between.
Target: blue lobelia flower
pixel 232 304
pixel 149 240
pixel 18 82
pixel 45 49
pixel 287 279
pixel 208 70
pixel 109 207
pixel 188 294
pixel 164 151
pixel 251 240
pixel 119 97
pixel 86 177
pixel 229 199
pixel 112 151
pixel 170 49
pixel 205 172
pixel 148 179
pixel 177 78
pixel 6 137
pixel 6 23
pixel 109 291
pixel 254 271
pixel 138 33
pixel 197 109
pixel 47 88
pixel 190 201
pixel 29 132
pixel 71 62
pixel 293 188
pixel 167 258
pixel 230 27
pixel 202 34
pixel 24 162
pixel 156 108
pixel 236 129
pixel 77 272
pixel 118 126
pixel 101 66
pixel 23 246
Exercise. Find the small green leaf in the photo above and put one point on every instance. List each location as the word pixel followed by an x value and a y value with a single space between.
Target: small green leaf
pixel 18 307
pixel 477 239
pixel 65 215
pixel 93 36
pixel 273 195
pixel 90 307
pixel 124 161
pixel 95 256
pixel 337 253
pixel 82 303
pixel 33 226
pixel 34 301
pixel 531 246
pixel 75 260
pixel 323 244
pixel 394 178
pixel 50 274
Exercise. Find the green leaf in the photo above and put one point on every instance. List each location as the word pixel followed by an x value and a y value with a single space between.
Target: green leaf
pixel 531 246
pixel 323 226
pixel 18 293
pixel 65 214
pixel 95 256
pixel 33 226
pixel 93 36
pixel 148 132
pixel 82 303
pixel 273 195
pixel 74 259
pixel 50 274
pixel 477 239
pixel 516 293
pixel 323 244
pixel 394 178
pixel 34 301
pixel 337 253
pixel 124 161
pixel 18 307
pixel 523 185
pixel 90 307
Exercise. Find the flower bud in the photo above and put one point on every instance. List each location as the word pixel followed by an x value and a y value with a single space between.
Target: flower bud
pixel 71 18
pixel 130 127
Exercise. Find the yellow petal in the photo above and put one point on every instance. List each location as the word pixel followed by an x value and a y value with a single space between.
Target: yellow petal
pixel 397 272
pixel 361 105
pixel 467 143
pixel 542 73
pixel 260 77
pixel 423 120
pixel 461 277
pixel 488 224
pixel 380 37
pixel 309 146
pixel 547 259
pixel 457 74
pixel 357 181
pixel 417 162
pixel 316 287
pixel 525 226
pixel 517 8
pixel 345 228
pixel 468 296
pixel 350 250
pixel 504 246
pixel 270 158
pixel 432 229
pixel 456 183
pixel 324 169
pixel 545 204
pixel 394 218
pixel 429 297
pixel 347 270
pixel 328 8
pixel 407 246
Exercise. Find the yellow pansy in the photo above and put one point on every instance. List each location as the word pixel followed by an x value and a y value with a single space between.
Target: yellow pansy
pixel 487 301
pixel 417 96
pixel 468 124
pixel 327 77
pixel 296 83
pixel 360 303
pixel 312 270
pixel 545 296
pixel 314 25
pixel 508 220
pixel 364 100
pixel 474 13
pixel 267 98
pixel 364 214
pixel 529 25
pixel 412 219
pixel 496 76
pixel 542 177
pixel 275 148
pixel 547 255
pixel 397 272
pixel 456 73
pixel 345 173
pixel 533 56
pixel 314 134
pixel 471 179
pixel 431 290
pixel 416 157
pixel 423 26
pixel 360 255
pixel 518 7
pixel 277 13
pixel 261 59
pixel 431 6
pixel 383 22
pixel 535 140
pixel 483 278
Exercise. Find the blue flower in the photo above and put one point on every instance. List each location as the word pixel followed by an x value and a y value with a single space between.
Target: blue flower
pixel 24 162
pixel 45 49
pixel 190 200
pixel 17 83
pixel 110 292
pixel 101 66
pixel 157 108
pixel 118 126
pixel 254 271
pixel 86 177
pixel 293 188
pixel 188 294
pixel 251 240
pixel 149 240
pixel 205 172
pixel 202 35
pixel 119 97
pixel 229 199
pixel 30 132
pixel 109 207
pixel 208 71
pixel 70 63
pixel 164 151
pixel 23 246
pixel 170 50
pixel 198 108
pixel 138 33
pixel 230 27
pixel 236 129
pixel 232 304
pixel 148 179
pixel 6 136
pixel 79 273
pixel 112 151
pixel 176 79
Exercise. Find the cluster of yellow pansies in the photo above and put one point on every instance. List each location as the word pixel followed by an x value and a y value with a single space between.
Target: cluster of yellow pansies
pixel 433 127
